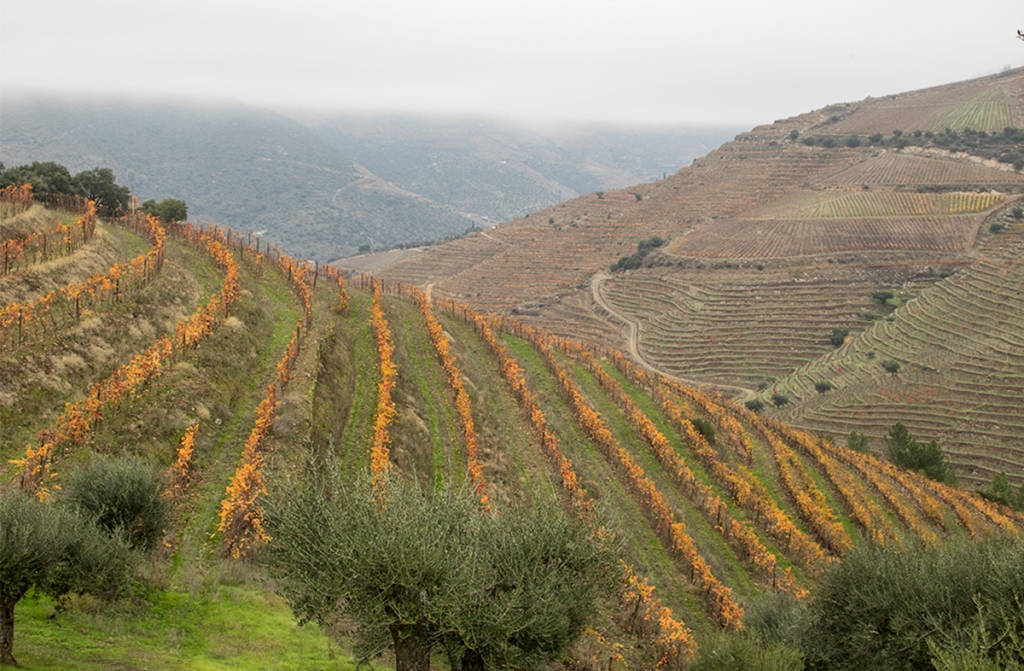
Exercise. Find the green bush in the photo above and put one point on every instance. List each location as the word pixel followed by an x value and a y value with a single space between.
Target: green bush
pixel 779 400
pixel 754 405
pixel 839 337
pixel 743 652
pixel 896 608
pixel 823 386
pixel 904 450
pixel 705 428
pixel 123 496
pixel 858 442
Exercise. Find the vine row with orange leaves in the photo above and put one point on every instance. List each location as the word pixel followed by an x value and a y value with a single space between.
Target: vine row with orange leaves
pixel 925 491
pixel 380 453
pixel 703 497
pixel 746 490
pixel 718 598
pixel 814 509
pixel 462 403
pixel 241 515
pixel 649 619
pixel 60 308
pixel 712 406
pixel 16 199
pixel 812 446
pixel 75 424
pixel 179 475
pixel 61 240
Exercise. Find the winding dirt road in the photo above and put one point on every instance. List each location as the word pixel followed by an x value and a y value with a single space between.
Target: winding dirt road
pixel 633 344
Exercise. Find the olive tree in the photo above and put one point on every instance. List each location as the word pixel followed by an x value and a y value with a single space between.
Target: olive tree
pixel 122 496
pixel 414 569
pixel 54 549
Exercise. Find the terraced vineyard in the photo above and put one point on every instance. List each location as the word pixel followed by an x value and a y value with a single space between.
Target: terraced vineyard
pixel 961 376
pixel 829 205
pixel 988 104
pixel 263 364
pixel 733 327
pixel 909 169
pixel 776 240
pixel 780 238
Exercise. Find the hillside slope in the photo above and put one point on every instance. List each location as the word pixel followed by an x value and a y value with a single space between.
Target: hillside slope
pixel 278 369
pixel 776 242
pixel 250 168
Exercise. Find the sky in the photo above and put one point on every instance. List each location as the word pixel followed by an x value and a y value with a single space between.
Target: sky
pixel 643 61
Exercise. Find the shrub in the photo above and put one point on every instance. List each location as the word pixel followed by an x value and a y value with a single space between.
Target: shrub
pixel 809 140
pixel 875 138
pixel 1002 492
pixel 891 366
pixel 852 141
pixel 996 227
pixel 779 400
pixel 858 442
pixel 743 652
pixel 828 142
pixel 904 450
pixel 839 337
pixel 1018 213
pixel 705 428
pixel 823 386
pixel 882 297
pixel 896 607
pixel 794 134
pixel 122 495
pixel 638 196
pixel 754 405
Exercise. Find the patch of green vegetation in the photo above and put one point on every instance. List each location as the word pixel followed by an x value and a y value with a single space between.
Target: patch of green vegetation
pixel 226 627
pixel 423 399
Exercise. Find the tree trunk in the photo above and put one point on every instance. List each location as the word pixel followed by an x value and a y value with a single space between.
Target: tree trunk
pixel 472 661
pixel 7 631
pixel 412 650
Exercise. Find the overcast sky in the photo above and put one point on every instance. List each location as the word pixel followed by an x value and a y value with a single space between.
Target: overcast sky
pixel 718 61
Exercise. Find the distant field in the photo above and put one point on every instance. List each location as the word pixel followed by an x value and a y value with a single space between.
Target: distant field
pixel 829 205
pixel 779 238
pixel 988 111
pixel 900 169
pixel 984 104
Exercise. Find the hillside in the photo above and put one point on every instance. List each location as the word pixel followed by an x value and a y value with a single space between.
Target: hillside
pixel 278 364
pixel 327 185
pixel 495 171
pixel 774 241
pixel 253 169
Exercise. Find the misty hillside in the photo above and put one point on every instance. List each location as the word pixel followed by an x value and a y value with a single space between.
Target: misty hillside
pixel 498 171
pixel 251 168
pixel 323 189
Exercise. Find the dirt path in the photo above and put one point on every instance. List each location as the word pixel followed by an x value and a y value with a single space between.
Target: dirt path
pixel 633 344
pixel 491 237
